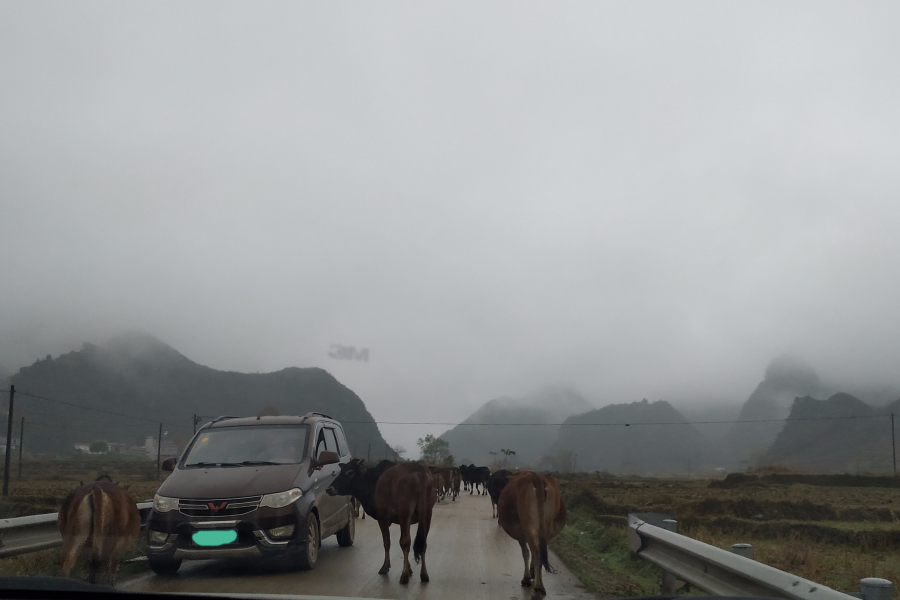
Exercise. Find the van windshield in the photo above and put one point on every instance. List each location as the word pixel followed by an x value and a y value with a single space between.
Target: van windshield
pixel 248 446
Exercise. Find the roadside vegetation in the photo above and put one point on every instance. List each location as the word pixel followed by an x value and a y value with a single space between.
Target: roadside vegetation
pixel 832 534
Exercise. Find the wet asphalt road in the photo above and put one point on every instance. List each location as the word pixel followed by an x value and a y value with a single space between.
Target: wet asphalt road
pixel 468 556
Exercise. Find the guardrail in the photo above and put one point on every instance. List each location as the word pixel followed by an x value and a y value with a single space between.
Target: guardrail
pixel 21 535
pixel 716 571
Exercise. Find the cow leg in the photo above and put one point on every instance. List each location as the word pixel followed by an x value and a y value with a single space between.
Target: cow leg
pixel 536 571
pixel 70 552
pixel 75 540
pixel 386 538
pixel 112 570
pixel 94 568
pixel 405 540
pixel 529 573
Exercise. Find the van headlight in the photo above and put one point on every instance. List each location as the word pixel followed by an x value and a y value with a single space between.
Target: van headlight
pixel 163 504
pixel 281 498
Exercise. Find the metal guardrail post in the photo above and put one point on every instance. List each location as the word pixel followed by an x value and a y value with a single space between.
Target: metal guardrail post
pixel 875 588
pixel 745 550
pixel 667 587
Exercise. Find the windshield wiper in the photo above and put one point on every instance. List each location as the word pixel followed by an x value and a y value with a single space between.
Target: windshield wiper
pixel 253 463
pixel 214 464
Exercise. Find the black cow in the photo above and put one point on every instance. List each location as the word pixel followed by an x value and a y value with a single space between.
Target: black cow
pixel 496 483
pixel 478 476
pixel 464 475
pixel 393 493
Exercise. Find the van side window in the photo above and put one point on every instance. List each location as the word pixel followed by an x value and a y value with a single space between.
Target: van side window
pixel 330 441
pixel 342 442
pixel 321 443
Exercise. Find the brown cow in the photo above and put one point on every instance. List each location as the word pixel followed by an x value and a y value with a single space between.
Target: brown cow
pixel 455 478
pixel 393 493
pixel 531 510
pixel 441 480
pixel 101 522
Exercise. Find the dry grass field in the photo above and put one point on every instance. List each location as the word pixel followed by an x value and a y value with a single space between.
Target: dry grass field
pixel 834 535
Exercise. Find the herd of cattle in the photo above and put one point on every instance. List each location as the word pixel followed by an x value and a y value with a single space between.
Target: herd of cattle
pixel 100 521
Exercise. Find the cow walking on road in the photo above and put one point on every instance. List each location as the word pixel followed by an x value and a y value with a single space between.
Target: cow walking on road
pixel 531 510
pixel 393 493
pixel 496 482
pixel 478 476
pixel 100 522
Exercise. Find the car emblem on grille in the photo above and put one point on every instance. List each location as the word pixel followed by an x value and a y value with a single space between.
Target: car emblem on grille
pixel 215 508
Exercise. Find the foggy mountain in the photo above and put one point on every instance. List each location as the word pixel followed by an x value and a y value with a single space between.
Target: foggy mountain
pixel 786 378
pixel 476 442
pixel 835 445
pixel 136 374
pixel 635 449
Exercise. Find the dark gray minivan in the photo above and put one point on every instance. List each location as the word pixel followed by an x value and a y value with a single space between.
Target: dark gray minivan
pixel 252 487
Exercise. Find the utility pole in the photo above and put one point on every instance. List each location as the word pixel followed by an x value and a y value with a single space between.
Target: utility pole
pixel 689 467
pixel 21 443
pixel 893 445
pixel 9 423
pixel 158 450
pixel 386 451
pixel 197 419
pixel 369 453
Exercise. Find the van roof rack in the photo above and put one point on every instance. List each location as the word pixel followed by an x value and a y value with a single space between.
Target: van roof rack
pixel 314 414
pixel 222 418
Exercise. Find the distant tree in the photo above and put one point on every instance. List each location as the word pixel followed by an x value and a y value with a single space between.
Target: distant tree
pixel 99 447
pixel 434 450
pixel 400 450
pixel 507 453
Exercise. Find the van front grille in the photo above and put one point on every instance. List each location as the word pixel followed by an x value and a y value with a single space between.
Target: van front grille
pixel 219 507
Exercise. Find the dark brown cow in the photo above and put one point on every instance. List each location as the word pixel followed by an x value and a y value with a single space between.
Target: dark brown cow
pixel 531 510
pixel 393 493
pixel 101 522
pixel 455 478
pixel 441 480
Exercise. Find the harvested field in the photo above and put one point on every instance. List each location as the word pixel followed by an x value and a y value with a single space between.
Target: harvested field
pixel 832 534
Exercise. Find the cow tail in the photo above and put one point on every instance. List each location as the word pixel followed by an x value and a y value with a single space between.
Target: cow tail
pixel 97 539
pixel 419 543
pixel 541 497
pixel 424 510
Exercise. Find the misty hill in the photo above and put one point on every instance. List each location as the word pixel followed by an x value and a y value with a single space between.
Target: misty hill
pixel 636 449
pixel 530 442
pixel 834 444
pixel 786 378
pixel 138 375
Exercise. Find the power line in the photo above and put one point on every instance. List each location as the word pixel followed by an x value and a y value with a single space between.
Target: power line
pixel 614 424
pixel 100 410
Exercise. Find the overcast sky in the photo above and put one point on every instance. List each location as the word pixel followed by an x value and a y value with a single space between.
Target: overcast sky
pixel 632 199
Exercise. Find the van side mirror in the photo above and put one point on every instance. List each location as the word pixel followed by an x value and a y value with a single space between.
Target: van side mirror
pixel 169 464
pixel 327 458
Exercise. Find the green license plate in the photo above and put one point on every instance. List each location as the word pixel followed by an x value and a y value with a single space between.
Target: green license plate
pixel 214 538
